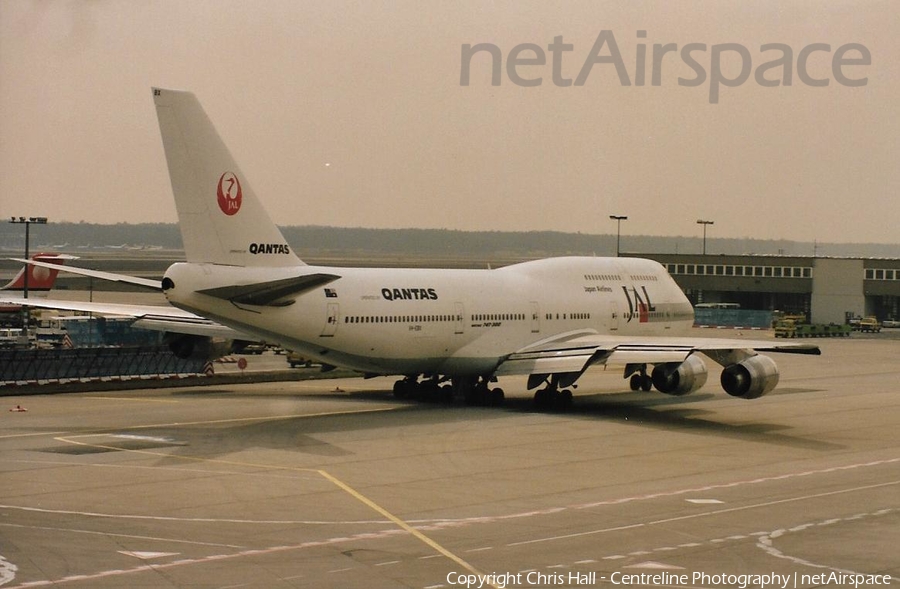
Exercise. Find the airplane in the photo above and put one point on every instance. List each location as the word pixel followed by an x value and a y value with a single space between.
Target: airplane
pixel 40 279
pixel 449 333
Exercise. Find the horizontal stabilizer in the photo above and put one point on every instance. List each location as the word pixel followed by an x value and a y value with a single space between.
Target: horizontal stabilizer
pixel 271 293
pixel 112 277
pixel 154 317
pixel 116 309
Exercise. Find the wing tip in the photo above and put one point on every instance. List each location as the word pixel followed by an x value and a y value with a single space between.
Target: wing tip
pixel 809 350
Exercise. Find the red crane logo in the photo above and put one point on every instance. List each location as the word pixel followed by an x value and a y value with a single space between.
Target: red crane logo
pixel 229 193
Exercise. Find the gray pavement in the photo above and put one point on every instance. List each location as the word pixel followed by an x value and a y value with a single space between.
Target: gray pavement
pixel 336 484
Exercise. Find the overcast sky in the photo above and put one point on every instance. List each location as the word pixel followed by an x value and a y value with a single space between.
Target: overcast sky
pixel 352 113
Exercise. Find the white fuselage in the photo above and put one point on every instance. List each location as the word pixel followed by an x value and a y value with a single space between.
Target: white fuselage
pixel 451 322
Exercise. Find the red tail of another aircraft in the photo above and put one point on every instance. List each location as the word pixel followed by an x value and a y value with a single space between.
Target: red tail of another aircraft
pixel 40 280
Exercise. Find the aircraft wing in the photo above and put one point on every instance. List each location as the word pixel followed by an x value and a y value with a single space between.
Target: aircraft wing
pixel 154 317
pixel 575 354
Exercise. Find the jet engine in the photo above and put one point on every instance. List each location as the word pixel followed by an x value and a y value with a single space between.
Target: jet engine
pixel 678 379
pixel 196 346
pixel 750 379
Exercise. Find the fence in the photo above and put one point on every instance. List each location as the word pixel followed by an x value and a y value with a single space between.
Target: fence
pixel 86 363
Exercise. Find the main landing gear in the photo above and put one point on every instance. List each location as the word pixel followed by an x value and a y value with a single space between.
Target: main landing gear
pixel 430 389
pixel 472 390
pixel 477 391
pixel 550 397
pixel 640 380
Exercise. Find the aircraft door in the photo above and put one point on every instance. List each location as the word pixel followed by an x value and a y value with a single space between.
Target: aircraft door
pixel 613 316
pixel 535 317
pixel 459 322
pixel 331 320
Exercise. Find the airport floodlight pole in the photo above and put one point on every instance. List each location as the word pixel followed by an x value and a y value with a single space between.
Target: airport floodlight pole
pixel 704 223
pixel 618 219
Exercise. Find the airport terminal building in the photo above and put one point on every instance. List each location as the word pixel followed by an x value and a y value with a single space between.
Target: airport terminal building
pixel 827 290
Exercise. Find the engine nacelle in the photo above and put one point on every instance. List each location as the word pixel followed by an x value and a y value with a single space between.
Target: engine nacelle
pixel 680 378
pixel 750 379
pixel 196 346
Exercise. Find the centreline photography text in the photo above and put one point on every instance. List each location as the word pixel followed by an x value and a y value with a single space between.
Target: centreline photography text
pixel 793 580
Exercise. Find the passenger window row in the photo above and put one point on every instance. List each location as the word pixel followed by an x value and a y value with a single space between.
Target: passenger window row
pixel 401 318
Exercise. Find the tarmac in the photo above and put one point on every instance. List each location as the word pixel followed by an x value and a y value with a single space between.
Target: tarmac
pixel 335 483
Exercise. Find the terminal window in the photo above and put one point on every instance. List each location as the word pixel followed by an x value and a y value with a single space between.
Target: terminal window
pixel 761 271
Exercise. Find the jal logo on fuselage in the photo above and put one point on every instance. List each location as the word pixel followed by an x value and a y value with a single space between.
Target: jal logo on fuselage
pixel 229 194
pixel 639 303
pixel 409 294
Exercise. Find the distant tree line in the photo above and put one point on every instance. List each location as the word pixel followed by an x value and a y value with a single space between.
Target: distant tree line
pixel 425 242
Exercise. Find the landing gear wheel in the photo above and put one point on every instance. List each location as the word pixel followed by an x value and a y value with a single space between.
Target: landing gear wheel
pixel 402 389
pixel 429 392
pixel 549 399
pixel 471 397
pixel 635 382
pixel 543 399
pixel 646 383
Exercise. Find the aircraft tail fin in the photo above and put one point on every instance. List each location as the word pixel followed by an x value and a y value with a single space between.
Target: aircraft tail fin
pixel 40 279
pixel 221 219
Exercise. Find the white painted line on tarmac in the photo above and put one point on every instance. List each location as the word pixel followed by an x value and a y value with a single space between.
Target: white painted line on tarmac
pixel 127 516
pixel 709 514
pixel 651 564
pixel 114 535
pixel 7 571
pixel 147 555
pixel 765 542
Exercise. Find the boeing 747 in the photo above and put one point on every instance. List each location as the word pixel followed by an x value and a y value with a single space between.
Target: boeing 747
pixel 449 332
